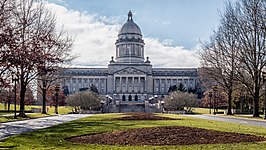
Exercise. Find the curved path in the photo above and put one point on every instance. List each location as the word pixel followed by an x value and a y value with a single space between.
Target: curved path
pixel 245 121
pixel 17 127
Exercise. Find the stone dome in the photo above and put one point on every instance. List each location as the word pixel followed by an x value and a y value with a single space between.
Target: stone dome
pixel 130 27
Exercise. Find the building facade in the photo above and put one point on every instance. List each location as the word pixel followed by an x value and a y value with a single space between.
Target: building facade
pixel 130 77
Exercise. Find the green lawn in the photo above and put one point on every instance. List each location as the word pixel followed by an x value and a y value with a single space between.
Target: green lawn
pixel 30 116
pixel 61 109
pixel 205 111
pixel 53 137
pixel 5 118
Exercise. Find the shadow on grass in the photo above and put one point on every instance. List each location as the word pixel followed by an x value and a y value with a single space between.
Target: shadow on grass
pixel 7 147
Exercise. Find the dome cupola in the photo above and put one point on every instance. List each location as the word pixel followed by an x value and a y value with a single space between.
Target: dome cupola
pixel 130 27
pixel 129 45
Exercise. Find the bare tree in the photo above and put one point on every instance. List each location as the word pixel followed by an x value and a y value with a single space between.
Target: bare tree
pixel 219 64
pixel 45 81
pixel 250 24
pixel 237 51
pixel 5 31
pixel 36 45
pixel 56 49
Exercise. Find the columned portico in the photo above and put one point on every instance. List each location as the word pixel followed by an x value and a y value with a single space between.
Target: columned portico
pixel 129 85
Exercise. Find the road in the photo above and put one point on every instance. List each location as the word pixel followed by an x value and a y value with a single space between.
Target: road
pixel 17 127
pixel 245 121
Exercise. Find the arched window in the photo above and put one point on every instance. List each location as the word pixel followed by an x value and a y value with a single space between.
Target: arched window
pixel 129 98
pixel 123 98
pixel 136 97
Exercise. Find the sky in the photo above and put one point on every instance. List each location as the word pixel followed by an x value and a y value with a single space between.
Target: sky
pixel 172 29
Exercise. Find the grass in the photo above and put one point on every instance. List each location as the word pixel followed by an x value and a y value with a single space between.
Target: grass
pixel 53 137
pixel 205 111
pixel 9 116
pixel 61 109
pixel 30 116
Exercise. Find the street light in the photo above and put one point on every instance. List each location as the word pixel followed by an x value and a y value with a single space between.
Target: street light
pixel 155 99
pixel 162 105
pixel 15 79
pixel 57 88
pixel 102 103
pixel 264 82
pixel 215 88
pixel 107 100
pixel 110 100
pixel 210 95
pixel 150 99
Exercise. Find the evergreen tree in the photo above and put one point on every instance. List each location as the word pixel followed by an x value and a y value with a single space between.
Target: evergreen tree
pixel 93 88
pixel 181 88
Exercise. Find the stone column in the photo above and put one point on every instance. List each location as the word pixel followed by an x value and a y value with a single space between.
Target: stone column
pixel 70 85
pixel 171 82
pixel 126 84
pixel 132 84
pixel 138 84
pixel 145 88
pixel 120 80
pixel 160 85
pixel 115 84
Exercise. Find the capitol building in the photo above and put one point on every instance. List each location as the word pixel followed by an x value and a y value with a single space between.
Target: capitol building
pixel 130 77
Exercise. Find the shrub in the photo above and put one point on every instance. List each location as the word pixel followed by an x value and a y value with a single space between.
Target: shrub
pixel 84 100
pixel 179 100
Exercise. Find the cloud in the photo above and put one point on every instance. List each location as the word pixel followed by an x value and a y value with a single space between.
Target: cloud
pixel 166 23
pixel 169 56
pixel 95 38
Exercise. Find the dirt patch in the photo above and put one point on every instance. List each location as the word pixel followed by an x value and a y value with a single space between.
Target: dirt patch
pixel 143 116
pixel 169 135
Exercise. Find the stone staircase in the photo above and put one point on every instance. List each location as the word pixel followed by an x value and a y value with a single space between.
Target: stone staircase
pixel 130 107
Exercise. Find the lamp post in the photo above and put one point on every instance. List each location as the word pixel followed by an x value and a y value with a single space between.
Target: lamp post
pixel 15 79
pixel 264 82
pixel 210 96
pixel 110 100
pixel 57 88
pixel 150 99
pixel 162 105
pixel 215 88
pixel 155 96
pixel 102 102
pixel 107 100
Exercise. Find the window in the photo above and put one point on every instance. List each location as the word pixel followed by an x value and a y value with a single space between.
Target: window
pixel 136 97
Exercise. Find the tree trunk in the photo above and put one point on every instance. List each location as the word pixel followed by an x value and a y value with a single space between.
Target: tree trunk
pixel 229 105
pixel 256 102
pixel 22 101
pixel 8 105
pixel 44 101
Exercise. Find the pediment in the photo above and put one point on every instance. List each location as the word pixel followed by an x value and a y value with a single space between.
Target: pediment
pixel 130 70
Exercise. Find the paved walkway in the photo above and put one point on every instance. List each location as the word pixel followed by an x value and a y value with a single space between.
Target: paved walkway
pixel 245 121
pixel 17 127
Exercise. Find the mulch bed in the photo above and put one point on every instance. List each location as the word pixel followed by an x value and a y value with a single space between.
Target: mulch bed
pixel 167 135
pixel 143 116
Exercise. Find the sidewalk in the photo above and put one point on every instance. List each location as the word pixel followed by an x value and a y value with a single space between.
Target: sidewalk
pixel 232 119
pixel 17 127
